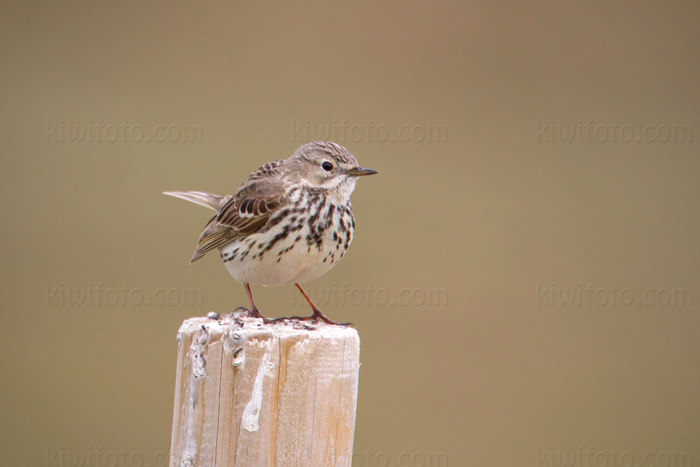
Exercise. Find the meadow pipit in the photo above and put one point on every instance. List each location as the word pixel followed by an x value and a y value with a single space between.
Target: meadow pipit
pixel 290 222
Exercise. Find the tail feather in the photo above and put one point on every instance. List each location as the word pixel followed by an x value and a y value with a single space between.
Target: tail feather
pixel 208 200
pixel 197 256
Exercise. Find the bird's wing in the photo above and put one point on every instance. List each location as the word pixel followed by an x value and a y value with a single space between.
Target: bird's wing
pixel 245 213
pixel 208 200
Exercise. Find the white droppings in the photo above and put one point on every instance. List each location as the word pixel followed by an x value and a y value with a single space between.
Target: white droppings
pixel 197 360
pixel 245 342
pixel 251 414
pixel 239 358
pixel 192 410
pixel 183 327
pixel 187 459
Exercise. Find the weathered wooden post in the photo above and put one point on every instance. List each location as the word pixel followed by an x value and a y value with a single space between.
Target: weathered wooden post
pixel 254 395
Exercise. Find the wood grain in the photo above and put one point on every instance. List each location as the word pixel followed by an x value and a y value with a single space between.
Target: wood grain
pixel 250 395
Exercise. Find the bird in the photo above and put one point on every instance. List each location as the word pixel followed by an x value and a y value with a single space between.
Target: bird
pixel 290 222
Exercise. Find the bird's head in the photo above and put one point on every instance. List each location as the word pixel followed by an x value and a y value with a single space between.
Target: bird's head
pixel 327 165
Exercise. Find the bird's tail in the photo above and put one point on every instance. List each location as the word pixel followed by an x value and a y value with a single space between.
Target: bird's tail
pixel 208 200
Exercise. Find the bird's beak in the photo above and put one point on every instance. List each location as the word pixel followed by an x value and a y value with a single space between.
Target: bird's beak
pixel 360 172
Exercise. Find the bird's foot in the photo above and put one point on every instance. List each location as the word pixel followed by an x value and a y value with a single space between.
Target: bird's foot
pixel 240 308
pixel 314 318
pixel 254 313
pixel 318 314
pixel 283 319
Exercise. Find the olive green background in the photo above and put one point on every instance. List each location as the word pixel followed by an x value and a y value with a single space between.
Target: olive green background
pixel 493 215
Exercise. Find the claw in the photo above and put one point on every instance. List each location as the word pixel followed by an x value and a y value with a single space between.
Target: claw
pixel 275 320
pixel 314 318
pixel 318 314
pixel 254 313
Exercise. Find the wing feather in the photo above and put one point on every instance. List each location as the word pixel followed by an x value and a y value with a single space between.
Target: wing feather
pixel 245 213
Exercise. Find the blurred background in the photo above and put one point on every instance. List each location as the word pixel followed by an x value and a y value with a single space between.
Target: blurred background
pixel 525 274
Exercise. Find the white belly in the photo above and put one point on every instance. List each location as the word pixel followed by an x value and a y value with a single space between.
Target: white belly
pixel 288 261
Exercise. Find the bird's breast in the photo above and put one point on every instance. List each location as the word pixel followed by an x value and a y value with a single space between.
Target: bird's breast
pixel 305 241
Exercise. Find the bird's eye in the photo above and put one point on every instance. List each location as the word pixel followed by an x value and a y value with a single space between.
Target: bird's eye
pixel 327 166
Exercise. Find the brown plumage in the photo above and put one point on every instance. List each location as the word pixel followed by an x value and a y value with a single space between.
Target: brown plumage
pixel 307 195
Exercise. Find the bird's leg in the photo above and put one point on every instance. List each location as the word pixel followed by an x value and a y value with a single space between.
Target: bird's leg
pixel 318 314
pixel 253 312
